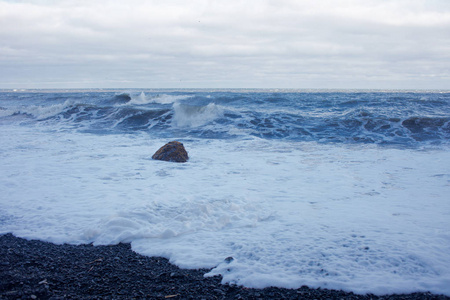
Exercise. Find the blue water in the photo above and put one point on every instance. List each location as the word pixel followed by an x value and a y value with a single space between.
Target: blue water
pixel 406 119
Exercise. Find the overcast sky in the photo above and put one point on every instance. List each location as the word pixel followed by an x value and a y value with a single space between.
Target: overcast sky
pixel 228 43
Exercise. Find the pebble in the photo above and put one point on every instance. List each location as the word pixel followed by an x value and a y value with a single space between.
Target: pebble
pixel 131 276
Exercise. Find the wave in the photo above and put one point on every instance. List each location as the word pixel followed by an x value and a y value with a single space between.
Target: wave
pixel 38 112
pixel 121 98
pixel 215 121
pixel 133 98
pixel 4 112
pixel 186 115
pixel 143 99
pixel 353 118
pixel 167 99
pixel 138 119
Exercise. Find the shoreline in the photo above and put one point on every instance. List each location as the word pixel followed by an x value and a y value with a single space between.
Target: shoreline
pixel 32 269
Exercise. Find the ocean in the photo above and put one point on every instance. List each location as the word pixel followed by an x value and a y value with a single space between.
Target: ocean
pixel 340 189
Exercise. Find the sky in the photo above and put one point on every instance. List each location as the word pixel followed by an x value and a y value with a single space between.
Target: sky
pixel 370 44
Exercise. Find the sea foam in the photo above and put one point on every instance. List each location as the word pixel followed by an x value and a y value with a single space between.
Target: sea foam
pixel 359 218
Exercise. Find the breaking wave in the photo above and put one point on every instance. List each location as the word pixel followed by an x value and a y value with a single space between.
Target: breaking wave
pixel 381 118
pixel 186 115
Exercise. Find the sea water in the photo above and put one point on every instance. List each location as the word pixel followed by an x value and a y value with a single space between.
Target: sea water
pixel 333 189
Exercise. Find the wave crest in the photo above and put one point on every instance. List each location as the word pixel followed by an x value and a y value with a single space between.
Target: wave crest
pixel 143 99
pixel 195 116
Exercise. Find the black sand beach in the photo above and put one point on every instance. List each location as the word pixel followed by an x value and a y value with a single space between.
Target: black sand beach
pixel 40 270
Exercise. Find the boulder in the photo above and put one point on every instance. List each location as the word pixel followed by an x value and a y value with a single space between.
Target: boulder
pixel 172 151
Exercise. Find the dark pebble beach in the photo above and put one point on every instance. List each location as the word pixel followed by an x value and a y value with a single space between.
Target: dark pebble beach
pixel 31 269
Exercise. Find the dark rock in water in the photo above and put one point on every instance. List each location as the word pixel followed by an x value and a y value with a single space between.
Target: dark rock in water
pixel 122 98
pixel 228 259
pixel 172 151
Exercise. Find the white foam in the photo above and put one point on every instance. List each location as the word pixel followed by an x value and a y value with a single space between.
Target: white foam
pixel 360 218
pixel 193 116
pixel 143 99
pixel 40 112
pixel 4 112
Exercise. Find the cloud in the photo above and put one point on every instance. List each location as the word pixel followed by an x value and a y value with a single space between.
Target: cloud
pixel 207 43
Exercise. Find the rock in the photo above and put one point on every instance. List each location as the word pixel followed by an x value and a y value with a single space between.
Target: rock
pixel 228 259
pixel 173 151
